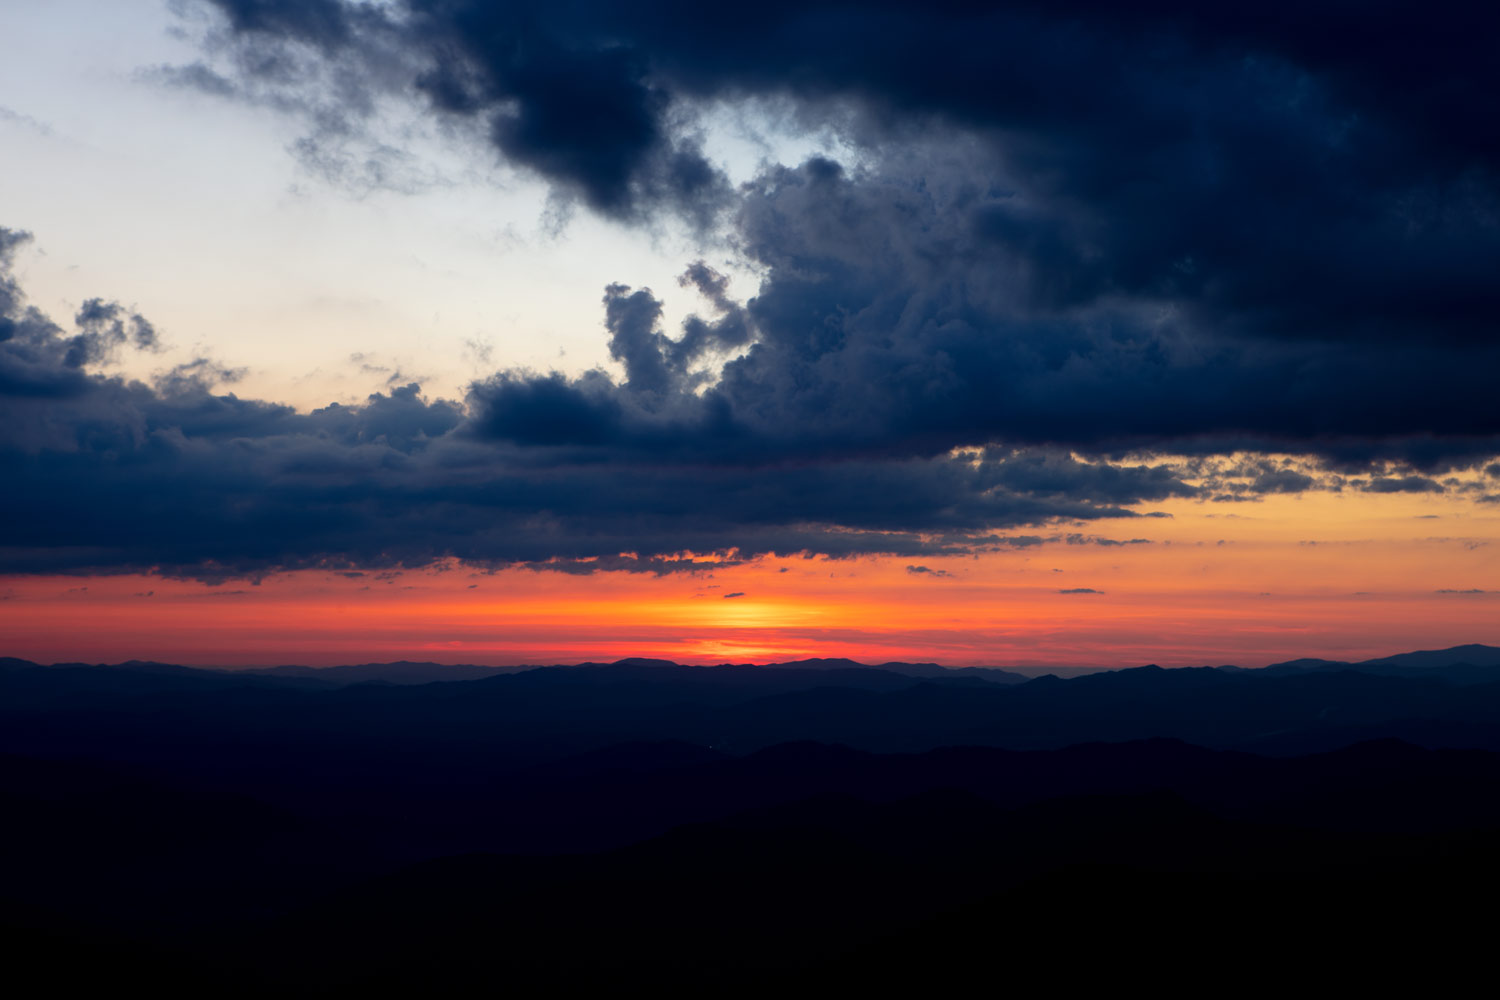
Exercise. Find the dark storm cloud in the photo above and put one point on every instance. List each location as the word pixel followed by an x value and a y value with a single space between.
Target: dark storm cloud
pixel 877 315
pixel 1155 226
pixel 1069 237
pixel 583 112
pixel 571 476
pixel 323 22
pixel 874 332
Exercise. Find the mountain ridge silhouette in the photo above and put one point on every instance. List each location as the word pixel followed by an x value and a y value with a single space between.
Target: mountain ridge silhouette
pixel 712 829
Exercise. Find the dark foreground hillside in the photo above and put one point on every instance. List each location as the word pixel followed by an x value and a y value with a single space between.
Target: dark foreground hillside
pixel 213 835
pixel 1369 865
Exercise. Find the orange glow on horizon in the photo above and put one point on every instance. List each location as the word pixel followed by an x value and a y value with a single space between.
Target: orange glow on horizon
pixel 1339 576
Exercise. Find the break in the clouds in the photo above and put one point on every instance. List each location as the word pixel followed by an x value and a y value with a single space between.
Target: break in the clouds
pixel 1065 240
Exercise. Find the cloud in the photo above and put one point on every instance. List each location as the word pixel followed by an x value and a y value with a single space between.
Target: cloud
pixel 14 117
pixel 1080 539
pixel 737 593
pixel 1080 590
pixel 587 115
pixel 1472 590
pixel 1064 246
pixel 1060 227
pixel 1402 484
pixel 879 327
pixel 573 476
pixel 1282 481
pixel 654 474
pixel 927 571
pixel 598 98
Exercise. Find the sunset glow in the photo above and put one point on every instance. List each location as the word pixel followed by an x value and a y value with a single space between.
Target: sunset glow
pixel 1341 576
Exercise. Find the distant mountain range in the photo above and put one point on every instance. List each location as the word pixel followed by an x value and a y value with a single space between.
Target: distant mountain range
pixel 1470 664
pixel 144 712
pixel 721 829
pixel 1464 664
pixel 410 672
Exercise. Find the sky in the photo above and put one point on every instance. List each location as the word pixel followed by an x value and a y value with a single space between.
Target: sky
pixel 1067 334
